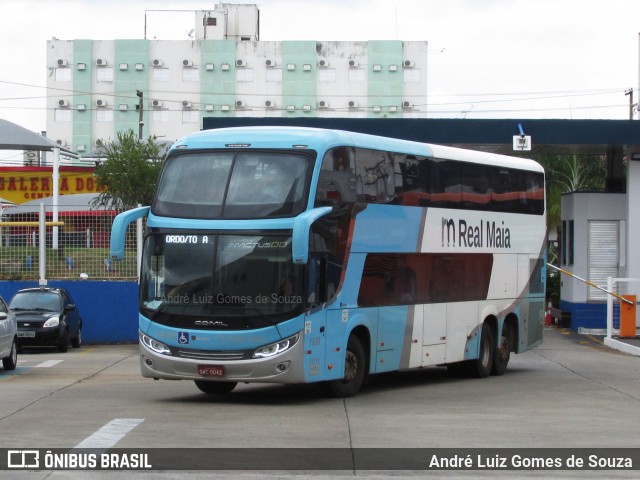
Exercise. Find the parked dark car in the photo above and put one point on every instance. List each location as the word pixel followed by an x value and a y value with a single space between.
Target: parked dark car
pixel 47 316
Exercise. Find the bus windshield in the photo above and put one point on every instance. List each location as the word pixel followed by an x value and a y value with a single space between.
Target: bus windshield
pixel 210 274
pixel 232 184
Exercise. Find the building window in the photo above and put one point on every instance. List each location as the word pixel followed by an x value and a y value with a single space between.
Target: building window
pixel 104 115
pixel 160 115
pixel 63 74
pixel 104 74
pixel 274 75
pixel 244 74
pixel 327 75
pixel 190 116
pixel 190 74
pixel 62 115
pixel 161 74
pixel 411 75
pixel 357 75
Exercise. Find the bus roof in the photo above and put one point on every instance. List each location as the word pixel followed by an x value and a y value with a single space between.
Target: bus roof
pixel 323 139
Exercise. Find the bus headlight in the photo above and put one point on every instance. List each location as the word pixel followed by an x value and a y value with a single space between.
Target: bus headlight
pixel 154 345
pixel 276 348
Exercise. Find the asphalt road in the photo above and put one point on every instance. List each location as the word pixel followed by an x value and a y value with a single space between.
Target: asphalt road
pixel 571 392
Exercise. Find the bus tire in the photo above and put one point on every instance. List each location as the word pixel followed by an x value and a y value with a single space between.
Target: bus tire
pixel 481 367
pixel 215 388
pixel 355 370
pixel 503 352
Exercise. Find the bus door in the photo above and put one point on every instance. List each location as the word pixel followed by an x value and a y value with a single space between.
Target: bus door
pixel 434 333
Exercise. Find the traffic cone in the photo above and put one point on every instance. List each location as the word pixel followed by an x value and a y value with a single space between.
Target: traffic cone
pixel 548 320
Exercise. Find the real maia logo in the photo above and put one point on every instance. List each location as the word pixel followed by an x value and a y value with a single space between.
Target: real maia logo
pixel 485 234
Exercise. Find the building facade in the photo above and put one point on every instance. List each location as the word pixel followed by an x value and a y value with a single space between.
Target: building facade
pixel 94 86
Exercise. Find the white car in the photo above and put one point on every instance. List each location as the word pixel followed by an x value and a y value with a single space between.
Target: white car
pixel 8 337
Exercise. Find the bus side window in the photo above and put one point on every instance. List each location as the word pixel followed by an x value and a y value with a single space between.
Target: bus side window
pixel 337 182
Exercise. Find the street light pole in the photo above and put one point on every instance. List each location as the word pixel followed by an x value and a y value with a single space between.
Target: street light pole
pixel 630 93
pixel 140 113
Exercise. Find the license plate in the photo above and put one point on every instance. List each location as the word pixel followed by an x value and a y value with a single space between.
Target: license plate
pixel 211 370
pixel 26 334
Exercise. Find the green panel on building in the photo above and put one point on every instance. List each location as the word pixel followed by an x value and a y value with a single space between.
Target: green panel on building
pixel 82 85
pixel 386 79
pixel 131 74
pixel 218 77
pixel 299 76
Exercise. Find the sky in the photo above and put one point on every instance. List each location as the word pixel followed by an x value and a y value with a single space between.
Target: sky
pixel 570 59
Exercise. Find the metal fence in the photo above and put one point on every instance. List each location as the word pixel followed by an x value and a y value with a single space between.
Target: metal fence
pixel 75 245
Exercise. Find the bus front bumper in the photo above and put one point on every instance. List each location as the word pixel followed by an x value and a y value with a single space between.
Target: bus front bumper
pixel 285 367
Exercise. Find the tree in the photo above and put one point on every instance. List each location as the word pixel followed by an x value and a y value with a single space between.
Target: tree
pixel 129 174
pixel 570 173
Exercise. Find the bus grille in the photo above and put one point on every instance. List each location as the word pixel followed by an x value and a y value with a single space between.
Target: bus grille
pixel 212 355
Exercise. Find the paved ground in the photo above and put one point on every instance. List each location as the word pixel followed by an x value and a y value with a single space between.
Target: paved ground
pixel 572 391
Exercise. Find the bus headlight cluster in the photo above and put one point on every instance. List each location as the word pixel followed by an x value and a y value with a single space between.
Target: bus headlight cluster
pixel 154 345
pixel 276 348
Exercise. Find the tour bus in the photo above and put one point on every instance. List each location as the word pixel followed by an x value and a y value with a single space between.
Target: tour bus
pixel 297 255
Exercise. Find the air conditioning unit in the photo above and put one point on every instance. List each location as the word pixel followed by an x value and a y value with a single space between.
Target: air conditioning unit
pixel 407 104
pixel 156 103
pixel 224 108
pixel 186 104
pixel 101 103
pixel 157 63
pixel 353 64
pixel 62 62
pixel 187 63
pixel 82 66
pixel 139 66
pixel 240 103
pixel 241 63
pixel 306 67
pixel 123 107
pixel 306 108
pixel 99 143
pixel 377 108
pixel 80 148
pixel 323 63
pixel 269 103
pixel 81 107
pixel 224 67
pixel 323 104
pixel 353 104
pixel 124 66
pixel 393 108
pixel 209 107
pixel 208 67
pixel 408 64
pixel 101 62
pixel 291 66
pixel 393 68
pixel 270 63
pixel 377 67
pixel 63 103
pixel 62 143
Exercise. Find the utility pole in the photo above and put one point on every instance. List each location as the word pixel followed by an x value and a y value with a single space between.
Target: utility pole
pixel 630 93
pixel 140 113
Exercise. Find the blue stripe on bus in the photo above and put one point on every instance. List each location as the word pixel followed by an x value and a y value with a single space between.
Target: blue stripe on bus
pixel 387 228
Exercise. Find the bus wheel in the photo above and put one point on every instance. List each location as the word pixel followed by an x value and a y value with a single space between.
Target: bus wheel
pixel 484 363
pixel 354 370
pixel 503 353
pixel 219 388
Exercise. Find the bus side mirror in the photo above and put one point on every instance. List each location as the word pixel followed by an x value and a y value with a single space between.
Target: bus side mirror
pixel 119 229
pixel 301 230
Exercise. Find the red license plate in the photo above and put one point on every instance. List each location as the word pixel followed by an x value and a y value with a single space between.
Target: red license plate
pixel 211 370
